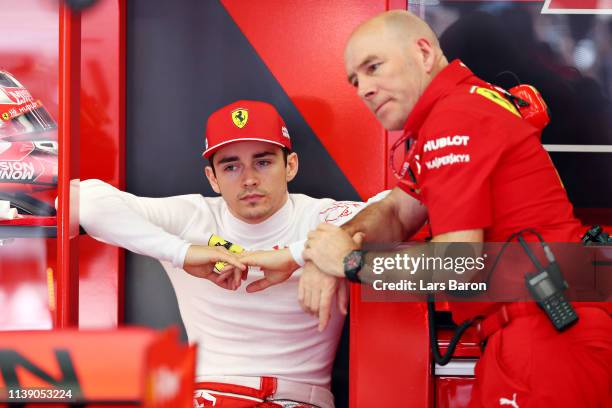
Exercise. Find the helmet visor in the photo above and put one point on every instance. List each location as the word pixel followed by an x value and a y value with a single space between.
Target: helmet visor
pixel 20 113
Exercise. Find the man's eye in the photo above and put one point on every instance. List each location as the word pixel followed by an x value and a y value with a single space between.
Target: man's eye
pixel 230 168
pixel 263 163
pixel 373 67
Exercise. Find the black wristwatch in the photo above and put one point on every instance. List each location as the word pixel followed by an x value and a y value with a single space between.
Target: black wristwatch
pixel 353 263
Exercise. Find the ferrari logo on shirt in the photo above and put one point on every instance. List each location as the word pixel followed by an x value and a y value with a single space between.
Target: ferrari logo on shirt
pixel 240 117
pixel 495 97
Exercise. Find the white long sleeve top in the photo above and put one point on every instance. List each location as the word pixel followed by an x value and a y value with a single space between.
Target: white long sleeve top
pixel 238 333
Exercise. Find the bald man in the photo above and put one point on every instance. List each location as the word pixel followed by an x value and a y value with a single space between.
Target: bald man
pixel 477 172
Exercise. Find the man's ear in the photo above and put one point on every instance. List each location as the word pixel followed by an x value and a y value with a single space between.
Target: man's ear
pixel 292 166
pixel 212 179
pixel 426 54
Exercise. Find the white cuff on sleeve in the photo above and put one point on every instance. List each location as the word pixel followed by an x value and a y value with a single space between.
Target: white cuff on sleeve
pixel 179 258
pixel 296 249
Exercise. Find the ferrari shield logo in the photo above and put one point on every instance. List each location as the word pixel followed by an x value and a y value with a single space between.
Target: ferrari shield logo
pixel 495 97
pixel 240 117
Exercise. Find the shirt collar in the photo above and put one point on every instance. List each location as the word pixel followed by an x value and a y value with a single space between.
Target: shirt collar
pixel 443 83
pixel 272 226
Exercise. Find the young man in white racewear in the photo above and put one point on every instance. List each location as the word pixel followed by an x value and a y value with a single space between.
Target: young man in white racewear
pixel 257 349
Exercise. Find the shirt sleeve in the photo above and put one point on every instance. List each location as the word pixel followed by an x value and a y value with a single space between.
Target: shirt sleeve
pixel 146 226
pixel 459 155
pixel 340 212
pixel 336 213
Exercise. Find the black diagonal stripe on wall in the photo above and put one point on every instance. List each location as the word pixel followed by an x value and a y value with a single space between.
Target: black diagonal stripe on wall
pixel 186 59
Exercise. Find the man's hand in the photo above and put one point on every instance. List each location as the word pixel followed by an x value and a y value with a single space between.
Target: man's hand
pixel 277 267
pixel 200 262
pixel 328 245
pixel 316 291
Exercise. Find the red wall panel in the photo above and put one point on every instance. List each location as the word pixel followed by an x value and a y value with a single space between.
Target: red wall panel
pixel 302 43
pixel 102 153
pixel 307 60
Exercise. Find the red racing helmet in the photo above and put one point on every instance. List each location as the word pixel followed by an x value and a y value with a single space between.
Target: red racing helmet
pixel 28 150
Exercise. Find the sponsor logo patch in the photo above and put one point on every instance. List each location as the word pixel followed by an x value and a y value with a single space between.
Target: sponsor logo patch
pixel 512 402
pixel 445 141
pixel 240 117
pixel 447 160
pixel 495 97
pixel 340 209
pixel 16 171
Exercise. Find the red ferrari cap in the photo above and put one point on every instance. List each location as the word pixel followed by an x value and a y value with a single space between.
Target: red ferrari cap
pixel 245 121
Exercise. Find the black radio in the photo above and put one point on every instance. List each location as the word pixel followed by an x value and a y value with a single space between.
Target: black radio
pixel 551 299
pixel 547 286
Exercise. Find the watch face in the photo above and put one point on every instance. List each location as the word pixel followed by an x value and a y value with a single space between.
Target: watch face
pixel 353 260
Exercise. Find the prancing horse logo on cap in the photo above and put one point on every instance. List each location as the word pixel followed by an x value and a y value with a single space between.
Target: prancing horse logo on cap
pixel 240 117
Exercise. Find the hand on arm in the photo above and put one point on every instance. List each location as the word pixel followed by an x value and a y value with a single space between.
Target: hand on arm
pixel 277 267
pixel 200 262
pixel 328 245
pixel 393 219
pixel 316 292
pixel 322 276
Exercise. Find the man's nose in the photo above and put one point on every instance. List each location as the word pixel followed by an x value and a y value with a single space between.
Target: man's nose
pixel 250 178
pixel 366 89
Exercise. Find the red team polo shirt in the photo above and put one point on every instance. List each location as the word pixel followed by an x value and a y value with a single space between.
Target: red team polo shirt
pixel 479 165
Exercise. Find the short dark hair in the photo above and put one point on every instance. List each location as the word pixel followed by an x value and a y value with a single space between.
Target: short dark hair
pixel 286 152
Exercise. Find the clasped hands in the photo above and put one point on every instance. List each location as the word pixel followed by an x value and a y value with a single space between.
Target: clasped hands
pixel 321 280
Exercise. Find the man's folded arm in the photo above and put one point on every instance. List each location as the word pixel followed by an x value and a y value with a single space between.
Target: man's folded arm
pixel 147 226
pixel 338 213
pixel 393 219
